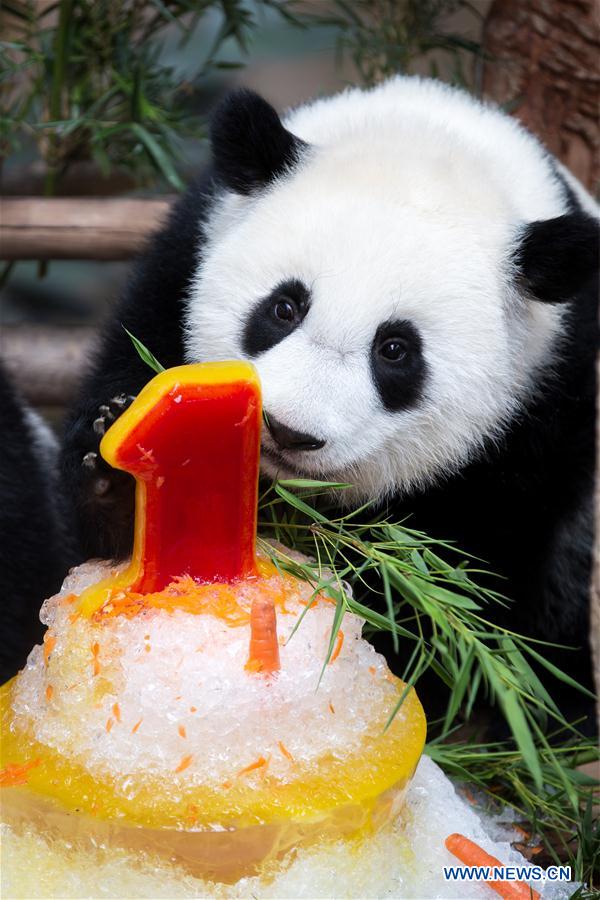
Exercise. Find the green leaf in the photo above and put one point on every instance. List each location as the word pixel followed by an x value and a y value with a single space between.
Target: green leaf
pixel 521 733
pixel 158 155
pixel 387 591
pixel 144 353
pixel 299 504
pixel 309 483
pixel 340 610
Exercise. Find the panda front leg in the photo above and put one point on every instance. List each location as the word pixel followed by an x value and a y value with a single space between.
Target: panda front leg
pixel 151 308
pixel 101 498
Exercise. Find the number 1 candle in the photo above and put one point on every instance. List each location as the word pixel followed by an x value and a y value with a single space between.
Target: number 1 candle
pixel 191 439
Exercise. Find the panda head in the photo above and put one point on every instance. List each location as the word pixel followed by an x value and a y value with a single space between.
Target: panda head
pixel 384 292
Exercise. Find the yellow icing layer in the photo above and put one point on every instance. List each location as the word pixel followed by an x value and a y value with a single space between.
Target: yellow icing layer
pixel 385 761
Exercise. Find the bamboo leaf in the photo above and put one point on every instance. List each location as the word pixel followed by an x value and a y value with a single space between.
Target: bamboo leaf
pixel 158 155
pixel 144 353
pixel 521 733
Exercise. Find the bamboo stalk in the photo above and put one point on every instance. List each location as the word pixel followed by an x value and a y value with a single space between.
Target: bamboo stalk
pixel 81 228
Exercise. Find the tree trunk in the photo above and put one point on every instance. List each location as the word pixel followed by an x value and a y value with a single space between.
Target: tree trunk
pixel 544 66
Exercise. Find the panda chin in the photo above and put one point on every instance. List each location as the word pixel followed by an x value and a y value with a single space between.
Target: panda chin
pixel 277 467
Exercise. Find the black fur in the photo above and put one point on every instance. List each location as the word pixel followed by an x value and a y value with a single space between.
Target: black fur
pixel 250 145
pixel 265 328
pixel 34 555
pixel 523 506
pixel 151 309
pixel 558 256
pixel 399 381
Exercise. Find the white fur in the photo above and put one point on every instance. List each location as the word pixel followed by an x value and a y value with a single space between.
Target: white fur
pixel 45 444
pixel 407 206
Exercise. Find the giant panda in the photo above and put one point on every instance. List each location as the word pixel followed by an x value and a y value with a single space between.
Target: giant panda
pixel 35 550
pixel 415 278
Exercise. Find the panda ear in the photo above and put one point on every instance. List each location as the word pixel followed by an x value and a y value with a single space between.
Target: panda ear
pixel 556 257
pixel 249 143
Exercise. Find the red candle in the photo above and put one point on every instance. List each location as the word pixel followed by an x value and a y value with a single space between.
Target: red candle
pixel 191 439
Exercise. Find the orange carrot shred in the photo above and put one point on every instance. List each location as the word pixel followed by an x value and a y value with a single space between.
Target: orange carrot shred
pixel 147 648
pixel 137 725
pixel 49 645
pixel 257 764
pixel 182 731
pixel 193 709
pixel 185 763
pixel 285 751
pixel 338 646
pixel 49 692
pixel 16 773
pixel 469 853
pixel 264 647
pixel 117 712
pixel 372 670
pixel 109 723
pixel 331 709
pixel 95 661
pixel 226 784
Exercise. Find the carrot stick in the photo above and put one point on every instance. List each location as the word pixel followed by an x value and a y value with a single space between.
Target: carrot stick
pixel 471 854
pixel 264 646
pixel 186 761
pixel 16 773
pixel 338 646
pixel 257 764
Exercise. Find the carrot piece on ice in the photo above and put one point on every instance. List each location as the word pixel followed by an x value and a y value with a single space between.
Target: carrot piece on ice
pixel 471 854
pixel 264 646
pixel 49 645
pixel 257 764
pixel 16 773
pixel 338 646
pixel 184 764
pixel 285 751
pixel 95 660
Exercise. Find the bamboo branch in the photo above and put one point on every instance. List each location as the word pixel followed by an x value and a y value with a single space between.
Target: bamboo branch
pixel 61 228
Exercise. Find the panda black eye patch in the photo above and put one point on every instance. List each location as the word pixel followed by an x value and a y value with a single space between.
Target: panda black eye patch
pixel 397 364
pixel 273 318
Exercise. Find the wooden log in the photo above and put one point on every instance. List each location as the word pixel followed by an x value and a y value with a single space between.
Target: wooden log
pixel 82 228
pixel 46 362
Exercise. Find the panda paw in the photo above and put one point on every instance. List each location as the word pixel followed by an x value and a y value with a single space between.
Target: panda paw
pixel 103 480
pixel 108 412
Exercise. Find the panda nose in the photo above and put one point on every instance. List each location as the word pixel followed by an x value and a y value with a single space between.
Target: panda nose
pixel 288 439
